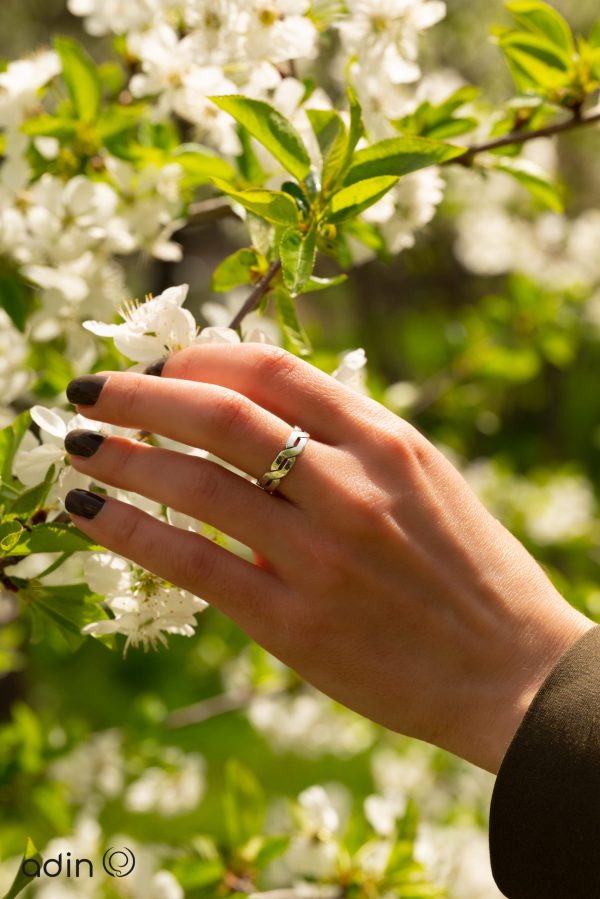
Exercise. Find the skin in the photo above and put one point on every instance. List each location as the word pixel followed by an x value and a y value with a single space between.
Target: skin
pixel 380 576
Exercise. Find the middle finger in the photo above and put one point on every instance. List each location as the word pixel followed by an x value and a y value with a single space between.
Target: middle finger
pixel 208 416
pixel 197 487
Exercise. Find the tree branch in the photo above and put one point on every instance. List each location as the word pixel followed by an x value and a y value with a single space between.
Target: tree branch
pixel 219 208
pixel 523 137
pixel 208 211
pixel 253 301
pixel 217 705
pixel 209 708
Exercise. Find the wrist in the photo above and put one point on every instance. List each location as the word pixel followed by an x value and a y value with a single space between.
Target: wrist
pixel 531 664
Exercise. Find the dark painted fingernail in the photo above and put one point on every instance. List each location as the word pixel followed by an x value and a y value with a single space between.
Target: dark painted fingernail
pixel 83 443
pixel 156 367
pixel 84 502
pixel 86 390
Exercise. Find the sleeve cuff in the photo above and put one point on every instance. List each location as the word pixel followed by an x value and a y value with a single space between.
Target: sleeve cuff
pixel 545 809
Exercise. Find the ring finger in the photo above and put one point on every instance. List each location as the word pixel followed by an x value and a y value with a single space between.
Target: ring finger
pixel 197 487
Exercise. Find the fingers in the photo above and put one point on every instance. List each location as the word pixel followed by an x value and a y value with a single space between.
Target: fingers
pixel 247 594
pixel 209 416
pixel 288 386
pixel 197 487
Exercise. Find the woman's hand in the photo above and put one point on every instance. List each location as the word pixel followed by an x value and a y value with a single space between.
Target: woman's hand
pixel 383 579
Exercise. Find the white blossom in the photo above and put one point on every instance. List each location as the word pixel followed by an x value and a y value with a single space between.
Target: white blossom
pixel 153 327
pixel 145 607
pixel 95 766
pixel 407 208
pixel 174 788
pixel 384 34
pixel 278 30
pixel 352 370
pixel 313 852
pixel 20 83
pixel 117 16
pixel 14 374
pixel 383 812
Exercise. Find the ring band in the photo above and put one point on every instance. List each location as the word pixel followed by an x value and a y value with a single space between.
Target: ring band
pixel 285 460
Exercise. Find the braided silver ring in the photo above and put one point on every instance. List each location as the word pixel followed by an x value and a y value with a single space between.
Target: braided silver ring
pixel 284 461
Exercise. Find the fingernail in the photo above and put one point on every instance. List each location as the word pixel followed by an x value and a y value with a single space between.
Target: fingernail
pixel 84 502
pixel 86 390
pixel 156 367
pixel 83 443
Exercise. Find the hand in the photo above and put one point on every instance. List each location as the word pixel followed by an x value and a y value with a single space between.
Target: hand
pixel 384 581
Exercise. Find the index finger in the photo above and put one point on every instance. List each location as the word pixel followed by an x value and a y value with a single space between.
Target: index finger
pixel 289 387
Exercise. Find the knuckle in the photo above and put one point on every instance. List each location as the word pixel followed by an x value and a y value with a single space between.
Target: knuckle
pixel 274 364
pixel 231 412
pixel 128 531
pixel 204 488
pixel 128 453
pixel 364 510
pixel 405 442
pixel 198 564
pixel 128 399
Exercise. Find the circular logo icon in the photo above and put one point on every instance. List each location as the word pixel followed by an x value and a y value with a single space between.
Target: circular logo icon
pixel 118 862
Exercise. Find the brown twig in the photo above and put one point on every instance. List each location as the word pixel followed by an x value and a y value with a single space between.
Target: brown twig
pixel 219 207
pixel 208 211
pixel 253 301
pixel 523 137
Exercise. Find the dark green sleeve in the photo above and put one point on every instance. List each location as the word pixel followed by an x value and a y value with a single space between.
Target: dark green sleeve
pixel 545 811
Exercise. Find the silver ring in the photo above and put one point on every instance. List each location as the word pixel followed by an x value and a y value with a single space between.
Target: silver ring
pixel 284 461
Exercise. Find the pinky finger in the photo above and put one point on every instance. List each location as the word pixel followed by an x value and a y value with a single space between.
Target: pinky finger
pixel 243 591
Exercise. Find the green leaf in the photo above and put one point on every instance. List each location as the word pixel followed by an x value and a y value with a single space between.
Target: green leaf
pixel 16 298
pixel 287 315
pixel 10 533
pixel 243 267
pixel 81 78
pixel 10 439
pixel 327 125
pixel 272 205
pixel 332 137
pixel 594 38
pixel 438 122
pixel 195 873
pixel 340 154
pixel 33 499
pixel 535 62
pixel 260 851
pixel 53 537
pixel 545 20
pixel 298 253
pixel 369 235
pixel 200 165
pixel 535 179
pixel 271 129
pixel 313 284
pixel 22 880
pixel 248 162
pixel 70 606
pixel 112 77
pixel 50 126
pixel 399 156
pixel 115 120
pixel 356 130
pixel 295 191
pixel 244 804
pixel 351 201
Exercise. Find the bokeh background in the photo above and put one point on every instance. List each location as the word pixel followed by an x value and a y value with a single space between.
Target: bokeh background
pixel 486 335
